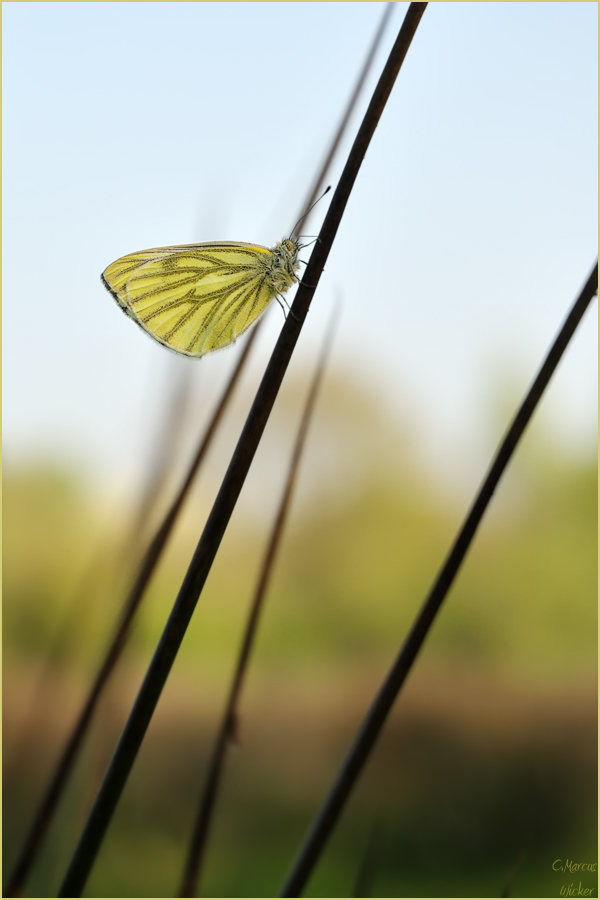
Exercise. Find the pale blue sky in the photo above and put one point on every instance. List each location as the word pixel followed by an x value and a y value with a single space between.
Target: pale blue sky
pixel 471 228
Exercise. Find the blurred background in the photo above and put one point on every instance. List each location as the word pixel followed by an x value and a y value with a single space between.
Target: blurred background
pixel 471 228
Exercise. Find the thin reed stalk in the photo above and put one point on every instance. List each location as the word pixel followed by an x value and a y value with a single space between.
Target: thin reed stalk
pixel 163 451
pixel 170 641
pixel 64 767
pixel 333 805
pixel 366 869
pixel 343 125
pixel 514 871
pixel 192 871
pixel 94 573
pixel 61 773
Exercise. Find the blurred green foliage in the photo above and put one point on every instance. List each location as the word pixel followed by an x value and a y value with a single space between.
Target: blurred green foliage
pixel 489 757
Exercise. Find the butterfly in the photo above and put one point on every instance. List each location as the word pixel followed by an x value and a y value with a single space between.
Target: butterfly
pixel 196 298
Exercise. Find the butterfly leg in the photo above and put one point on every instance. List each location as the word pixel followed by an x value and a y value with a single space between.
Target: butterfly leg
pixel 281 300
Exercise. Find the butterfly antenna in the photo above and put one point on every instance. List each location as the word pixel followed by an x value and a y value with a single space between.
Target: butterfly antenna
pixel 304 215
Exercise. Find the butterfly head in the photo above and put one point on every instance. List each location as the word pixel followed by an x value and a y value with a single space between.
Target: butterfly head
pixel 284 264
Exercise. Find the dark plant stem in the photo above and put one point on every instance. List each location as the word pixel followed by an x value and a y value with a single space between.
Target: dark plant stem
pixel 170 641
pixel 40 825
pixel 152 556
pixel 191 875
pixel 364 877
pixel 514 871
pixel 373 722
pixel 163 449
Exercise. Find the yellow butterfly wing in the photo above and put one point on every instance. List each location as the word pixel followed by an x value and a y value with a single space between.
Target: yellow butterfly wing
pixel 195 298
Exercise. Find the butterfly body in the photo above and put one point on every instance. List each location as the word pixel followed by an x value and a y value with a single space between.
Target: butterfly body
pixel 197 298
